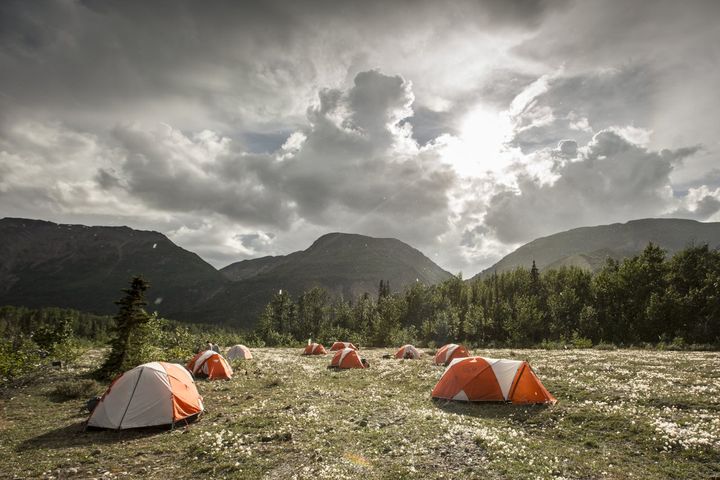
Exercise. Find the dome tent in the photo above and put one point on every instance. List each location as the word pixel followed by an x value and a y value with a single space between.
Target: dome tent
pixel 447 353
pixel 346 358
pixel 408 351
pixel 211 365
pixel 479 379
pixel 314 349
pixel 239 352
pixel 152 394
pixel 340 345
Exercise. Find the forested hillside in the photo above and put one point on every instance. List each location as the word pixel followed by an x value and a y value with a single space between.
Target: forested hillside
pixel 645 298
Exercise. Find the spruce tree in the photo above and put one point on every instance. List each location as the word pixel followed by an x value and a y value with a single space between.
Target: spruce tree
pixel 129 318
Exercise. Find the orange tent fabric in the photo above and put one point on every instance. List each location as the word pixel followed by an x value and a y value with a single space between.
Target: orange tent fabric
pixel 210 364
pixel 155 393
pixel 408 351
pixel 340 345
pixel 479 379
pixel 447 353
pixel 347 358
pixel 314 349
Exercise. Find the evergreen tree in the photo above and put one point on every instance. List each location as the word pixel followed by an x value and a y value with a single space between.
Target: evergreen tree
pixel 383 289
pixel 130 317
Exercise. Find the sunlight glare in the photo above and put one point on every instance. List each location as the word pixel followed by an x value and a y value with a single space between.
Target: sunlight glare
pixel 480 145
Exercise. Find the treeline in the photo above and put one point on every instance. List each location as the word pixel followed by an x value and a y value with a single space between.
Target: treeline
pixel 33 338
pixel 649 298
pixel 19 321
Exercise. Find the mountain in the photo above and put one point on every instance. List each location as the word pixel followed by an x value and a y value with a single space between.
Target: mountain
pixel 357 262
pixel 346 265
pixel 75 266
pixel 589 247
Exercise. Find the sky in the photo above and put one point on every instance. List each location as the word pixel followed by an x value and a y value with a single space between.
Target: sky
pixel 463 128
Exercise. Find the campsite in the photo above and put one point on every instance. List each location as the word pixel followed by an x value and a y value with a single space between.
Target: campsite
pixel 620 414
pixel 360 239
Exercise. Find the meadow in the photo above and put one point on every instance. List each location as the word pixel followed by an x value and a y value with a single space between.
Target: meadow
pixel 620 414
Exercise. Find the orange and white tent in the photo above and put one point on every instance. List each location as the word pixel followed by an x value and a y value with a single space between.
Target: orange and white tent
pixel 239 352
pixel 347 358
pixel 211 365
pixel 408 351
pixel 479 379
pixel 314 349
pixel 155 393
pixel 340 345
pixel 448 352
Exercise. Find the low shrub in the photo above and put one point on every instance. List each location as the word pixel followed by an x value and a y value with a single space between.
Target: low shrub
pixel 73 389
pixel 18 357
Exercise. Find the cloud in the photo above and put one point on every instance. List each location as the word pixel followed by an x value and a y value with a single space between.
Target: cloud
pixel 612 180
pixel 225 124
pixel 576 105
pixel 701 203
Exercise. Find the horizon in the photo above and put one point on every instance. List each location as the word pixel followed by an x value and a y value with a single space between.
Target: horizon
pixel 248 130
pixel 462 273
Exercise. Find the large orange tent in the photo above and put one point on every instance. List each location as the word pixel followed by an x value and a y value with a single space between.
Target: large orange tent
pixel 408 351
pixel 347 358
pixel 447 353
pixel 314 349
pixel 239 352
pixel 340 345
pixel 152 394
pixel 479 379
pixel 211 365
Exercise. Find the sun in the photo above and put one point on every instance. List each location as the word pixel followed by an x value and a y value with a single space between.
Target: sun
pixel 480 145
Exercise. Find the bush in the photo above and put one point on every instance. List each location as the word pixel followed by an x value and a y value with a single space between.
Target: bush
pixel 18 357
pixel 605 346
pixel 581 342
pixel 72 389
pixel 68 351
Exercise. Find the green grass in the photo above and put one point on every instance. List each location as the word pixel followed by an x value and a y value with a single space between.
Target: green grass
pixel 621 414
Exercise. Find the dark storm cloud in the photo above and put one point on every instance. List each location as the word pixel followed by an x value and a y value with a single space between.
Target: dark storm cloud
pixel 208 64
pixel 250 128
pixel 355 165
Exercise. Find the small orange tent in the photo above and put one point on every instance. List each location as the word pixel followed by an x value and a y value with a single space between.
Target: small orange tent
pixel 314 349
pixel 239 352
pixel 478 379
pixel 448 352
pixel 408 351
pixel 340 345
pixel 210 364
pixel 151 394
pixel 347 358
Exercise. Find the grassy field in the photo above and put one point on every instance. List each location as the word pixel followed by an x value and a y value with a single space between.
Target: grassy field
pixel 620 414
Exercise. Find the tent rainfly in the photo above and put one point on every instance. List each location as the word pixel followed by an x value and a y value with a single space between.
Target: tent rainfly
pixel 314 349
pixel 347 358
pixel 408 351
pixel 239 352
pixel 340 345
pixel 479 379
pixel 210 364
pixel 447 353
pixel 152 394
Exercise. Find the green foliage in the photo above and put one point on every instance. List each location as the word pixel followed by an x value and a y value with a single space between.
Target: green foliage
pixel 17 357
pixel 128 346
pixel 644 299
pixel 77 388
pixel 16 321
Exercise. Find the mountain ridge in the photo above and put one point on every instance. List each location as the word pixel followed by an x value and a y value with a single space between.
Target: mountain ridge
pixel 44 263
pixel 589 247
